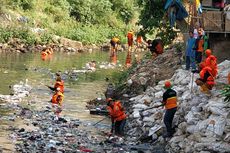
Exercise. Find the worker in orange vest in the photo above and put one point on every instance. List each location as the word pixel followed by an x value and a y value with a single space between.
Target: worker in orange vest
pixel 199 46
pixel 139 42
pixel 170 104
pixel 130 39
pixel 113 53
pixel 43 54
pixel 211 61
pixel 130 44
pixel 206 80
pixel 57 100
pixel 118 116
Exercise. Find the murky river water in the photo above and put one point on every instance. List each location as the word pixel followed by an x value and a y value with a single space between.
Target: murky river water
pixel 20 67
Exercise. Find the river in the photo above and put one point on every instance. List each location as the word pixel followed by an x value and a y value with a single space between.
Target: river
pixel 28 67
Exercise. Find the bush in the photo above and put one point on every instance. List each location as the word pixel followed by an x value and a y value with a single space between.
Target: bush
pixel 226 93
pixel 25 35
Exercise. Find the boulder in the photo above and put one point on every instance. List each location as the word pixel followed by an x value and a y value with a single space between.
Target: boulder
pixel 71 43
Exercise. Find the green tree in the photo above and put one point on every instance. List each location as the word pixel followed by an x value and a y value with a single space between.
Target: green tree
pixel 125 9
pixel 152 20
pixel 24 4
pixel 90 11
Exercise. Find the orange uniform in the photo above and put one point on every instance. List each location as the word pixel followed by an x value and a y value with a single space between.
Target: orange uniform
pixel 128 60
pixel 57 98
pixel 139 39
pixel 116 111
pixel 130 38
pixel 207 77
pixel 59 84
pixel 43 55
pixel 211 61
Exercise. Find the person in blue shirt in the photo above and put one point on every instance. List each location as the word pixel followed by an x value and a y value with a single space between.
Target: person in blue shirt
pixel 190 53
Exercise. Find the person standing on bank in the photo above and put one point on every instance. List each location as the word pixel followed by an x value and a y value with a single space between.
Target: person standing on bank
pixel 170 104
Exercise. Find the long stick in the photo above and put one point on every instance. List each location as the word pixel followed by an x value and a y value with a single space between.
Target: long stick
pixel 100 121
pixel 192 82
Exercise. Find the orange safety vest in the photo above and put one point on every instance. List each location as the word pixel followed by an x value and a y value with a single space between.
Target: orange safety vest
pixel 210 79
pixel 139 39
pixel 59 84
pixel 171 103
pixel 200 47
pixel 211 61
pixel 116 111
pixel 55 98
pixel 130 35
pixel 159 48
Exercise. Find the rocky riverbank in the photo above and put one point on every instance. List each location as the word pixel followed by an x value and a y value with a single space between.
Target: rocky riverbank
pixel 59 44
pixel 40 132
pixel 202 121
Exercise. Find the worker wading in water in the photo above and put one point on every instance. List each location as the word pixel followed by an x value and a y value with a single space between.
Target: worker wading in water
pixel 113 53
pixel 43 54
pixel 118 116
pixel 46 52
pixel 57 101
pixel 139 42
pixel 170 104
pixel 128 61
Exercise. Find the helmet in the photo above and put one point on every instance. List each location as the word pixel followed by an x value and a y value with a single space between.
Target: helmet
pixel 208 52
pixel 167 84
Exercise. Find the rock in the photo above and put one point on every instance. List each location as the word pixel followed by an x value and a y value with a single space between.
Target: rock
pixel 136 114
pixel 21 130
pixel 143 80
pixel 154 129
pixel 140 106
pixel 159 94
pixel 216 147
pixel 71 43
pixel 227 138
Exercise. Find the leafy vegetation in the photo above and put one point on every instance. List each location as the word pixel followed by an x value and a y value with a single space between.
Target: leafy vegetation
pixel 86 20
pixel 226 93
pixel 89 21
pixel 152 18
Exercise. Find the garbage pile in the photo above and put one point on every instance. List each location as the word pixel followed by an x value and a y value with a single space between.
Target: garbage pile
pixel 150 72
pixel 202 121
pixel 19 91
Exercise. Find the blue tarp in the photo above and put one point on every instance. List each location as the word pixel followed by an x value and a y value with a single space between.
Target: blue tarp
pixel 181 13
